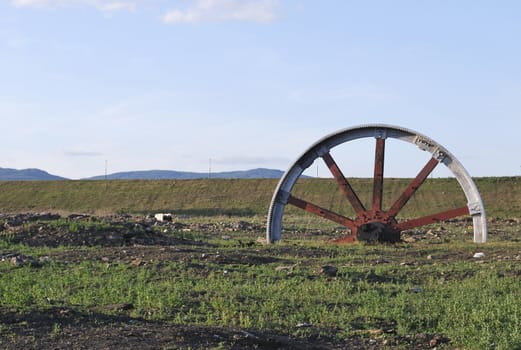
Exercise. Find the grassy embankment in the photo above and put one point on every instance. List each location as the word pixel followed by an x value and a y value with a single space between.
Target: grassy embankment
pixel 502 196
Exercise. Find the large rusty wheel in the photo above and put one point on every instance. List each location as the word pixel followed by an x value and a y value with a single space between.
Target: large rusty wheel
pixel 375 223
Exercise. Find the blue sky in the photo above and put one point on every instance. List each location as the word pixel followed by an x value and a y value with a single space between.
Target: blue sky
pixel 167 84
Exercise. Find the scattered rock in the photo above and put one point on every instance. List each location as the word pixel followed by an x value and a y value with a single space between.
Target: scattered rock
pixel 262 240
pixel 328 270
pixel 177 226
pixel 108 231
pixel 408 239
pixel 303 325
pixel 243 226
pixel 78 216
pixel 479 255
pixel 434 341
pixel 119 307
pixel 285 268
pixel 17 262
pixel 136 262
pixel 44 259
pixel 20 219
pixel 161 217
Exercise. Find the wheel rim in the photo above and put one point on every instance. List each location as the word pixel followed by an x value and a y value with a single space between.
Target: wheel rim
pixel 375 222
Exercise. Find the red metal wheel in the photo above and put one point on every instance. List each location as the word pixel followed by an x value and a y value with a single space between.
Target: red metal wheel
pixel 375 223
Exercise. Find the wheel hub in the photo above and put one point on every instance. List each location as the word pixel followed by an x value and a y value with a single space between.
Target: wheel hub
pixel 376 231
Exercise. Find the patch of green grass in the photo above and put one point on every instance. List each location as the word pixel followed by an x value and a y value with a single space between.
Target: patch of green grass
pixel 75 226
pixel 399 290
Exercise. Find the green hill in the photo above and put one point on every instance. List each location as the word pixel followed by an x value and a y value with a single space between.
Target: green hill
pixel 8 174
pixel 259 173
pixel 502 196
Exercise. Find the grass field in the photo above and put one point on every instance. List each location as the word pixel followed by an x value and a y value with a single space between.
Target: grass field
pixel 426 291
pixel 204 281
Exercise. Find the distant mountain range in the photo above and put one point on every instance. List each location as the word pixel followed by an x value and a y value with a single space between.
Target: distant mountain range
pixel 40 175
pixel 259 173
pixel 7 174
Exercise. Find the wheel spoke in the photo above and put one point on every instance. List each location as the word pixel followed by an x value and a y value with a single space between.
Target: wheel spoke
pixel 344 184
pixel 378 174
pixel 449 214
pixel 327 214
pixel 413 186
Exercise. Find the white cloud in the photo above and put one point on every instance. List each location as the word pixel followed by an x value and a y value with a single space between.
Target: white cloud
pixel 30 3
pixel 261 11
pixel 117 6
pixel 102 5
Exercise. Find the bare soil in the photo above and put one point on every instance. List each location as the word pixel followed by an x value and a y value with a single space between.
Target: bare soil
pixel 94 330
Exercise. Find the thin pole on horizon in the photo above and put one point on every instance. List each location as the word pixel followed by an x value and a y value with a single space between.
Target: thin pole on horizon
pixel 106 165
pixel 209 168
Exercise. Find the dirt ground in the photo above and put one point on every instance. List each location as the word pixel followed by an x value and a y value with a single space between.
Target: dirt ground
pixel 127 240
pixel 88 330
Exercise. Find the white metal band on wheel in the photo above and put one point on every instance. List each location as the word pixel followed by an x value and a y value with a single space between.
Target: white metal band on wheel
pixel 288 180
